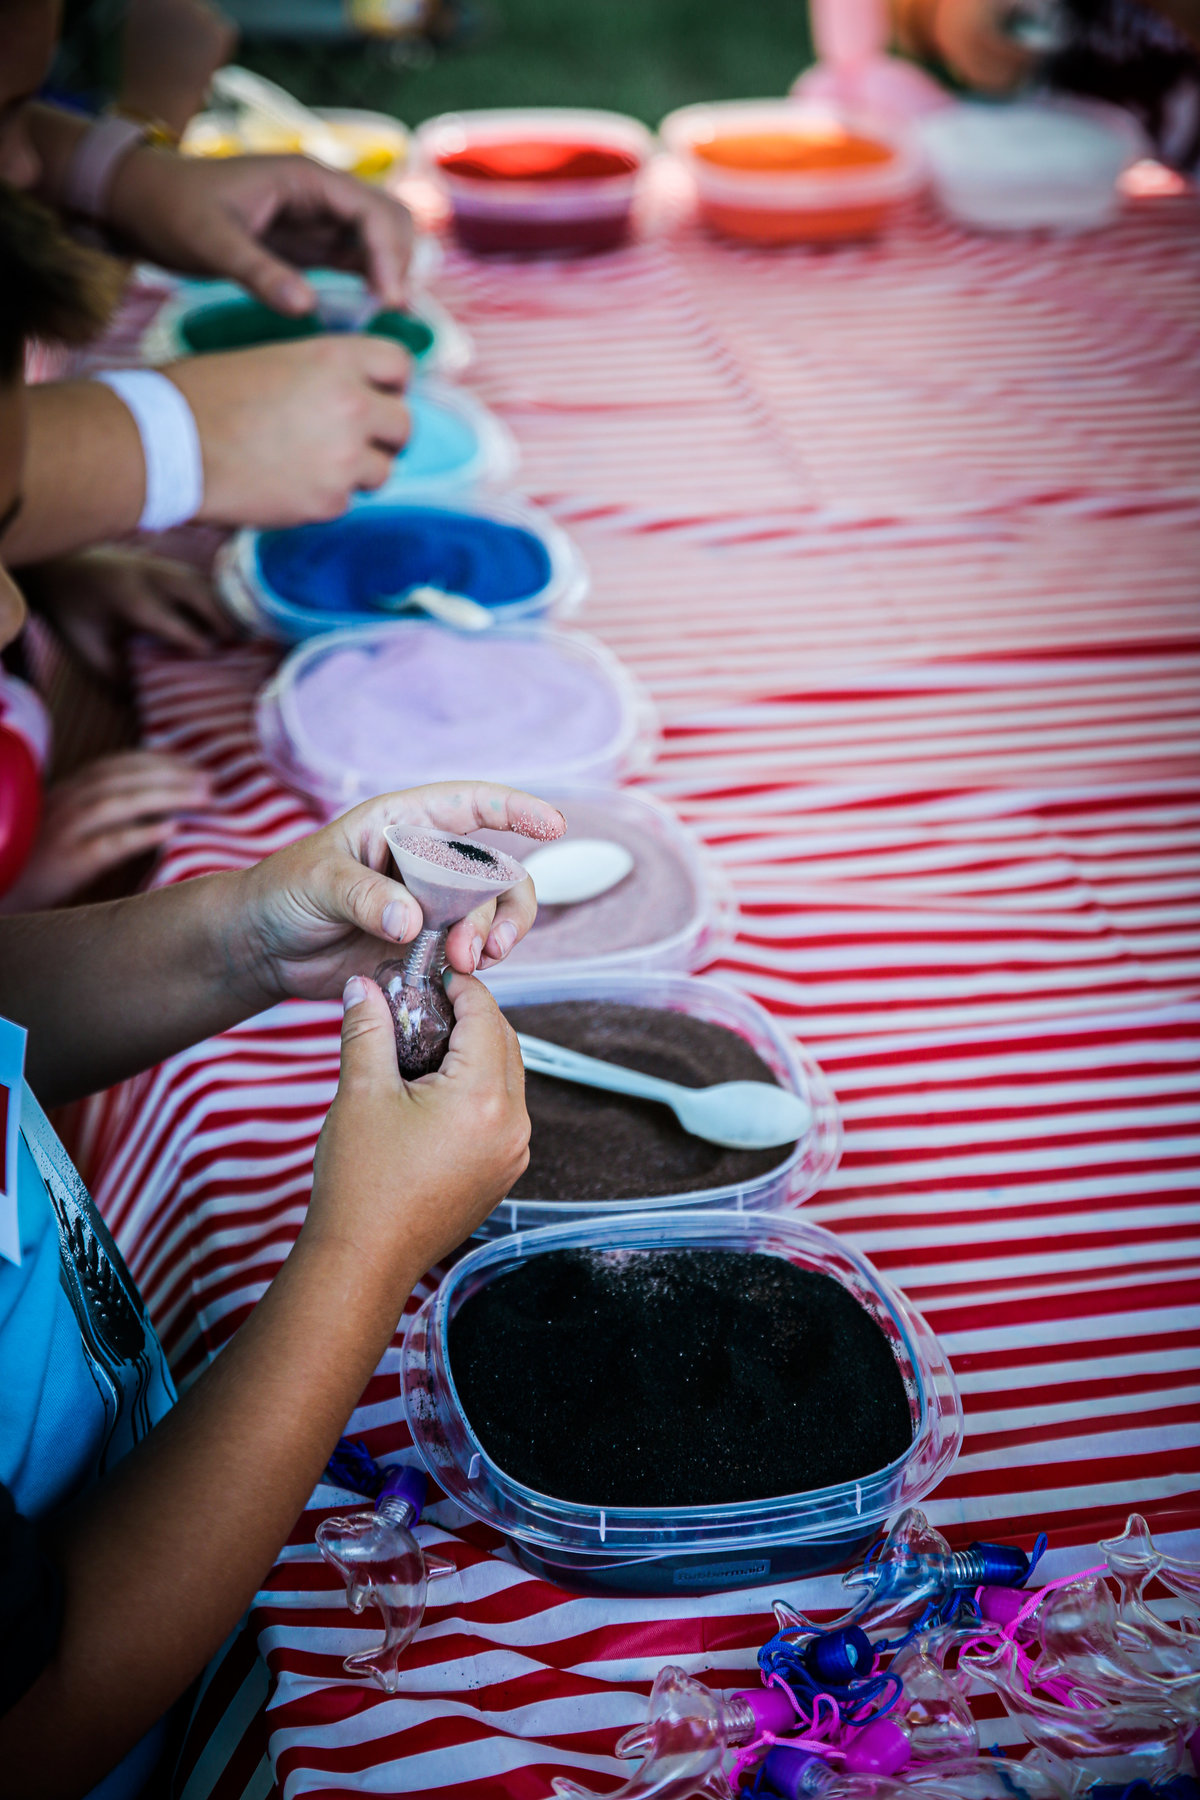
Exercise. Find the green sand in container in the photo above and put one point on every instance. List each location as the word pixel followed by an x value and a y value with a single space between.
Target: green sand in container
pixel 240 324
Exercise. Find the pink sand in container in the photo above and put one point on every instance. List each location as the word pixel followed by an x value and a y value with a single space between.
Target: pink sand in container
pixel 428 705
pixel 656 900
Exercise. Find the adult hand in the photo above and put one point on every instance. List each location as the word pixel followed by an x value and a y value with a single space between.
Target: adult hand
pixel 252 219
pixel 100 597
pixel 108 812
pixel 290 431
pixel 406 1170
pixel 324 909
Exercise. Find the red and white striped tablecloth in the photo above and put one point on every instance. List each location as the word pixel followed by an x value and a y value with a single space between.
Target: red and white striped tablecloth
pixel 905 541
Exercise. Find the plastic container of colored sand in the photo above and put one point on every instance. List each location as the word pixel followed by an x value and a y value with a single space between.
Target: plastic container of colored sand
pixel 204 316
pixel 673 911
pixel 380 707
pixel 377 143
pixel 538 180
pixel 715 1542
pixel 1016 165
pixel 503 554
pixel 599 1155
pixel 780 172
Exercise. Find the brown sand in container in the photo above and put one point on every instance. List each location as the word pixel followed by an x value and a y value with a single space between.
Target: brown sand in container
pixel 590 1145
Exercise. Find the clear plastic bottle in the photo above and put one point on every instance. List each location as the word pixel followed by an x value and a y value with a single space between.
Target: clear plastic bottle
pixel 375 1553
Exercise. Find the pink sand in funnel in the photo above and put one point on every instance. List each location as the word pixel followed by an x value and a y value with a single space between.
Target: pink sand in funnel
pixel 426 704
pixel 461 857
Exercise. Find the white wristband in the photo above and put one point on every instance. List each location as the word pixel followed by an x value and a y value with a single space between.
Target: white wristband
pixel 170 445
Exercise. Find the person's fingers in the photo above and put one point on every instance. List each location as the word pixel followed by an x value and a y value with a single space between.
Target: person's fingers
pixel 91 639
pixel 388 424
pixel 478 1043
pixel 374 468
pixel 99 801
pixel 188 588
pixel 387 229
pixel 343 891
pixel 160 618
pixel 231 246
pixel 383 226
pixel 96 855
pixel 131 771
pixel 515 913
pixel 465 940
pixel 381 362
pixel 369 1065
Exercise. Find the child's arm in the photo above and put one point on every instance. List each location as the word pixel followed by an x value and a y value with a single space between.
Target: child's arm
pixel 107 990
pixel 162 1559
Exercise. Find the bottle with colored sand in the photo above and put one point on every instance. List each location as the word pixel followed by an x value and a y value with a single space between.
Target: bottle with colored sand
pixel 448 877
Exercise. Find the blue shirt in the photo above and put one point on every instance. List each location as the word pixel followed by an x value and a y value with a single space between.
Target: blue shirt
pixel 82 1373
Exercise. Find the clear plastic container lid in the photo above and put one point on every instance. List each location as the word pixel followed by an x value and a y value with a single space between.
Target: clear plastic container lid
pixel 458 1462
pixel 800 1172
pixel 785 189
pixel 497 550
pixel 451 134
pixel 673 911
pixel 442 346
pixel 342 718
pixel 1053 162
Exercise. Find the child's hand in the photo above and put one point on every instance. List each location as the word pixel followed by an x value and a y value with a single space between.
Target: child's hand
pixel 108 812
pixel 406 1170
pixel 98 598
pixel 333 906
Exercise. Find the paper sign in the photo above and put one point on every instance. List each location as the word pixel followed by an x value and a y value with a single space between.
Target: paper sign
pixel 12 1075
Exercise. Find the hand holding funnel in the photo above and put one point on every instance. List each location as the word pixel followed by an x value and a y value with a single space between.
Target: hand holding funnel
pixel 448 876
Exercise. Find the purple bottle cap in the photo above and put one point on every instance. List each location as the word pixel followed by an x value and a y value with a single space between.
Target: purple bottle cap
pixel 404 1483
pixel 795 1773
pixel 771 1708
pixel 880 1748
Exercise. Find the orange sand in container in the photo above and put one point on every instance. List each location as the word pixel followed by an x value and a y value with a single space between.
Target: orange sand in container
pixel 792 152
pixel 789 157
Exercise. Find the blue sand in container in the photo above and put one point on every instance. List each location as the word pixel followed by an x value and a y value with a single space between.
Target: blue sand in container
pixel 341 569
pixel 442 446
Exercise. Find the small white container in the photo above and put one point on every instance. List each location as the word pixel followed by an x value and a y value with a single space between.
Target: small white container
pixel 335 784
pixel 1051 163
pixel 800 1172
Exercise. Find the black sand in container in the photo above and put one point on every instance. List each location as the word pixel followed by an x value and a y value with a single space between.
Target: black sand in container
pixel 596 1154
pixel 678 1401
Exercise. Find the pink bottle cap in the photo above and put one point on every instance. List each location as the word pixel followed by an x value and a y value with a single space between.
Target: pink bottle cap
pixel 1000 1605
pixel 771 1708
pixel 881 1748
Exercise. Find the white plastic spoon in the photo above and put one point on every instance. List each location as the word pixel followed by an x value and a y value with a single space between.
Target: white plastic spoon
pixel 739 1115
pixel 241 88
pixel 458 610
pixel 565 874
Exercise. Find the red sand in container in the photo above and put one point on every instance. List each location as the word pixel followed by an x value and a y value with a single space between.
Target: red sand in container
pixel 537 159
pixel 524 230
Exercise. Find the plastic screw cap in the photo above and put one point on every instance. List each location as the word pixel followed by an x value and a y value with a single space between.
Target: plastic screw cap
pixel 404 1483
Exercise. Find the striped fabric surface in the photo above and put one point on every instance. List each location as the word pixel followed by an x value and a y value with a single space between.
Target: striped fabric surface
pixel 904 541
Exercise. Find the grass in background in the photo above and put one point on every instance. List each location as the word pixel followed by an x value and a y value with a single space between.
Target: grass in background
pixel 636 56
